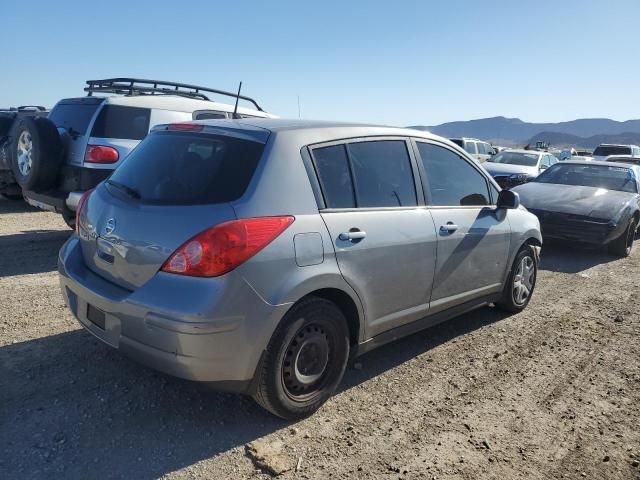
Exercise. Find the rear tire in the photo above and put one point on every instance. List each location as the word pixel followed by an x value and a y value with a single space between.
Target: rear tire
pixel 304 361
pixel 36 153
pixel 521 282
pixel 622 246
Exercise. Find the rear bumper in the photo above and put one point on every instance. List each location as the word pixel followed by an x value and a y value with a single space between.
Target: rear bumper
pixel 75 181
pixel 212 330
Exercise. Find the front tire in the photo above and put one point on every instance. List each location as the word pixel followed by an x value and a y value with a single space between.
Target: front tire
pixel 304 361
pixel 622 246
pixel 521 282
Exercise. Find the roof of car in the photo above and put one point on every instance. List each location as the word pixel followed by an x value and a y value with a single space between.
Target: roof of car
pixel 596 162
pixel 174 103
pixel 522 150
pixel 288 124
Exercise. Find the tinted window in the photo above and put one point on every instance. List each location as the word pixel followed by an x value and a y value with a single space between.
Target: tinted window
pixel 458 142
pixel 209 115
pixel 382 174
pixel 115 121
pixel 332 166
pixel 452 180
pixel 600 176
pixel 606 150
pixel 517 158
pixel 469 147
pixel 185 168
pixel 74 117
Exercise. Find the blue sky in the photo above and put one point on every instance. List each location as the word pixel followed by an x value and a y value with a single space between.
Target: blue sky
pixel 392 62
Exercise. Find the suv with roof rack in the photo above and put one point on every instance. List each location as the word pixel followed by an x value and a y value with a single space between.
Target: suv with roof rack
pixel 55 159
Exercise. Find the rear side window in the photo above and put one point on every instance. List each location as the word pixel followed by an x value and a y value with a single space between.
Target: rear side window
pixel 116 121
pixel 470 147
pixel 452 180
pixel 382 174
pixel 187 168
pixel 366 174
pixel 74 117
pixel 458 142
pixel 332 165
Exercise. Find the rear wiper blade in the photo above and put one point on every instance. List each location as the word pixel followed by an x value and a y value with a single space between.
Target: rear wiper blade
pixel 132 192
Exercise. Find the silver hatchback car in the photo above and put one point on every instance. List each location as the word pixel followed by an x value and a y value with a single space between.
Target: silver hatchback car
pixel 263 254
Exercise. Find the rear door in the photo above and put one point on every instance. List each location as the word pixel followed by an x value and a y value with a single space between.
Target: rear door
pixel 120 127
pixel 172 187
pixel 473 237
pixel 384 240
pixel 72 117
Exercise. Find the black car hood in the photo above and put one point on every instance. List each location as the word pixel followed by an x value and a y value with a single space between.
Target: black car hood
pixel 576 200
pixel 509 169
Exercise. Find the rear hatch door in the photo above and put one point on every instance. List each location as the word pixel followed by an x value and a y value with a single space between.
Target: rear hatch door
pixel 172 187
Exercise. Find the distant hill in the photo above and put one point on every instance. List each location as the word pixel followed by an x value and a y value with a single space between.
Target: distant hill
pixel 515 131
pixel 564 139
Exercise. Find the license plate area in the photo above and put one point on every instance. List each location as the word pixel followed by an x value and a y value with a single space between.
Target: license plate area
pixel 96 316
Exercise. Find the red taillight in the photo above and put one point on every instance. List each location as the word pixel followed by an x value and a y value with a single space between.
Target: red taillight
pixel 81 203
pixel 185 127
pixel 101 154
pixel 222 248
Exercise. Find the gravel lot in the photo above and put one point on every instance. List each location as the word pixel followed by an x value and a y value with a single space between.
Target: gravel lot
pixel 553 392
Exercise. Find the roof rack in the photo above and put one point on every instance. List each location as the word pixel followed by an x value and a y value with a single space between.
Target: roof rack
pixel 138 86
pixel 23 108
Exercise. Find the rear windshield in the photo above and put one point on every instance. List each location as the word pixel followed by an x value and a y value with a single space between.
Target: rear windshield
pixel 612 150
pixel 172 168
pixel 600 176
pixel 516 158
pixel 115 121
pixel 74 117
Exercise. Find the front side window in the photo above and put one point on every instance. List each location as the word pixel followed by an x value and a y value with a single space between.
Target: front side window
pixel 452 180
pixel 382 174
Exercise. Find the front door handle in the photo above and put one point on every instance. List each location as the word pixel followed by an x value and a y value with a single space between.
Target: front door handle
pixel 448 228
pixel 352 235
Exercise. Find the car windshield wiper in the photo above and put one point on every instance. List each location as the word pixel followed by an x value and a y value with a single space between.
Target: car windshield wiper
pixel 132 192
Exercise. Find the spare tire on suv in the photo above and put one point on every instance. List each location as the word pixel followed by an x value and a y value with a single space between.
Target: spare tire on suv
pixel 36 155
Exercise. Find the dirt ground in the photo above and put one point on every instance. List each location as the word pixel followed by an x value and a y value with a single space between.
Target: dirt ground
pixel 553 392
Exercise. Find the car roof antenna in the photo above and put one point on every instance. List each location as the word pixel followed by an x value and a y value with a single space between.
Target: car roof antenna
pixel 235 109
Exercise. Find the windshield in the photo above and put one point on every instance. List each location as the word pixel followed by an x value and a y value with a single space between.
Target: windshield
pixel 606 150
pixel 600 176
pixel 517 158
pixel 171 168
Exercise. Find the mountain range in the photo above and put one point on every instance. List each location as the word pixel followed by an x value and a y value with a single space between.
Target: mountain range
pixel 583 132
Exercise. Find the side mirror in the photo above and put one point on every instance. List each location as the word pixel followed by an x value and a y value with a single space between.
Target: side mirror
pixel 508 199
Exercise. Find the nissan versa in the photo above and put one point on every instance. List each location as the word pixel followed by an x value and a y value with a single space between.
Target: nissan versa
pixel 263 254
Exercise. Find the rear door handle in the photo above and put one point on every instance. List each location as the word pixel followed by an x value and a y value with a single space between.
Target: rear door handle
pixel 352 235
pixel 448 228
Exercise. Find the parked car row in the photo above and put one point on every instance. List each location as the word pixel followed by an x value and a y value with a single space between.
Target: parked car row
pixel 53 159
pixel 262 254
